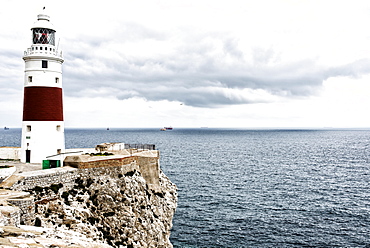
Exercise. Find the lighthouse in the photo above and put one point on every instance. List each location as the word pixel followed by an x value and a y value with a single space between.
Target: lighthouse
pixel 43 123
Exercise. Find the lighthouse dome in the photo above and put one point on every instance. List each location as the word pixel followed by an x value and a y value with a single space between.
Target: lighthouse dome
pixel 43 31
pixel 43 21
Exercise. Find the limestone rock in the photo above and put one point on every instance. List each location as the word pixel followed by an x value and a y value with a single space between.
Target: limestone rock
pixel 119 210
pixel 123 201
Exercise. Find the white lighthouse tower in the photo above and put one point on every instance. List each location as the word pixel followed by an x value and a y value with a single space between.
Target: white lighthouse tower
pixel 43 123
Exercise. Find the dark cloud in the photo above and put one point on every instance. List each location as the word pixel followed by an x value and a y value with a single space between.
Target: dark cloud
pixel 204 71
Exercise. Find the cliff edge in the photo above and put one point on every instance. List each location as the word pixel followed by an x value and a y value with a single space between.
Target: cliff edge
pixel 112 201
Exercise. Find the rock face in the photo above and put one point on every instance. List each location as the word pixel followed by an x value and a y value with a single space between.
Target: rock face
pixel 31 236
pixel 114 205
pixel 120 211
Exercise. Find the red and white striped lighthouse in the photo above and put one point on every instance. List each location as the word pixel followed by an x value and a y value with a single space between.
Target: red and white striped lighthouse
pixel 43 123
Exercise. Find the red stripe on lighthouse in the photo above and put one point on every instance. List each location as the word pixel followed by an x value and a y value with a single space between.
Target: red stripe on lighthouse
pixel 43 104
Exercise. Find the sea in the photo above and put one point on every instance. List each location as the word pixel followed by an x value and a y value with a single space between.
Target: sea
pixel 256 188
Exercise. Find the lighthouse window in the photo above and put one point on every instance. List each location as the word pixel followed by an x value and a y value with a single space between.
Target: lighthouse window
pixel 28 128
pixel 58 128
pixel 43 36
pixel 44 64
pixel 57 80
pixel 30 79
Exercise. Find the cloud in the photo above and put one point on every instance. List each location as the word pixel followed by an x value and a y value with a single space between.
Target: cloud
pixel 201 70
pixel 354 70
pixel 11 77
pixel 210 56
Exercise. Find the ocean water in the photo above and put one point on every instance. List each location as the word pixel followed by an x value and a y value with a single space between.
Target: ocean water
pixel 257 188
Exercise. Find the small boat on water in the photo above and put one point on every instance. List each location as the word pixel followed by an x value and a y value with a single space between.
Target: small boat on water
pixel 166 128
pixel 6 128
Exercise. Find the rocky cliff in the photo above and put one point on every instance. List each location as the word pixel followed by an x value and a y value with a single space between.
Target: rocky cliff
pixel 113 205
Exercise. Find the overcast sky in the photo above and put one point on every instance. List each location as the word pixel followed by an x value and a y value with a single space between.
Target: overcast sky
pixel 198 63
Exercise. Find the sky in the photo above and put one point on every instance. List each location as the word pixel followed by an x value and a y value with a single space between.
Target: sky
pixel 198 63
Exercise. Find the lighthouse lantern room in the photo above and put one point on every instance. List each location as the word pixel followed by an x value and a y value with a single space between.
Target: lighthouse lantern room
pixel 43 123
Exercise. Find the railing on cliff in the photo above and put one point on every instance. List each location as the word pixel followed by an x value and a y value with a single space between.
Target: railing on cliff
pixel 62 153
pixel 140 146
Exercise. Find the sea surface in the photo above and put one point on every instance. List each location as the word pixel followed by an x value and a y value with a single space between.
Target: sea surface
pixel 256 188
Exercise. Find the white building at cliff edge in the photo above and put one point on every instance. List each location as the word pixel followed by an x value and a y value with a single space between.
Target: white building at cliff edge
pixel 43 121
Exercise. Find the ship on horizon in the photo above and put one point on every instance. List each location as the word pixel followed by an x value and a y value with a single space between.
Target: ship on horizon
pixel 166 128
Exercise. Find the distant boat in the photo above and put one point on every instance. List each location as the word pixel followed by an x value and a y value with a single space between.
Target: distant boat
pixel 107 128
pixel 6 128
pixel 166 128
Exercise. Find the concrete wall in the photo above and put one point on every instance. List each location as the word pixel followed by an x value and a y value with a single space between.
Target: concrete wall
pixel 147 165
pixel 10 153
pixel 6 172
pixel 110 147
pixel 149 168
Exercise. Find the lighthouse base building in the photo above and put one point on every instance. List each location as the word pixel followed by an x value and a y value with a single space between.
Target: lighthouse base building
pixel 42 141
pixel 43 122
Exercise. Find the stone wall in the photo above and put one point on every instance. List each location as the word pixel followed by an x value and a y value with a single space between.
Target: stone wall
pixel 15 205
pixel 146 162
pixel 45 178
pixel 108 162
pixel 9 215
pixel 26 209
